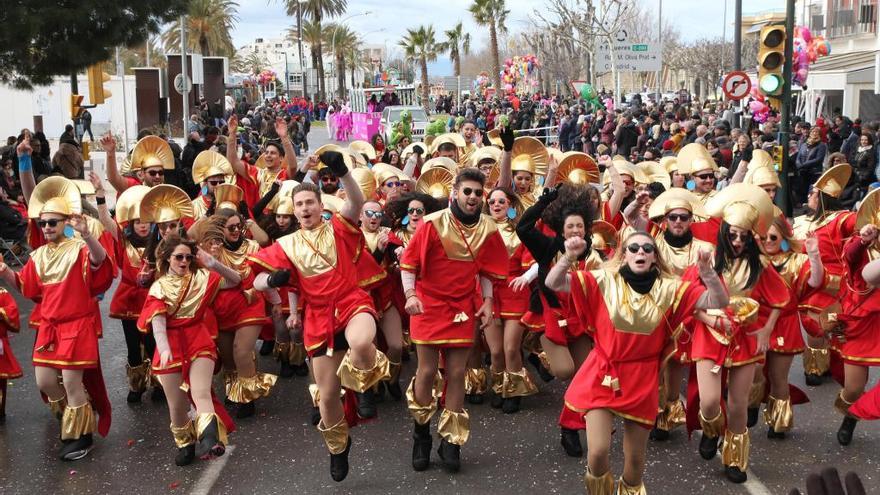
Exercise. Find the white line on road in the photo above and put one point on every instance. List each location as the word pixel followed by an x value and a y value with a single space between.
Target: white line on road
pixel 754 486
pixel 210 475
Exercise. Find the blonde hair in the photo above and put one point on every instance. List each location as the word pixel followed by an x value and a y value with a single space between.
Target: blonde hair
pixel 617 260
pixel 787 234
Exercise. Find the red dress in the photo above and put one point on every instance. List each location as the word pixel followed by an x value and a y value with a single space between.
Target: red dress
pixel 447 258
pixel 258 181
pixel 59 278
pixel 740 349
pixel 860 311
pixel 184 301
pixel 323 265
pixel 128 300
pixel 632 334
pixel 510 304
pixel 242 305
pixel 9 367
pixel 832 233
pixel 794 268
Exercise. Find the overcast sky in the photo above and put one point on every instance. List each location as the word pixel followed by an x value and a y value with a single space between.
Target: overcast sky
pixel 386 21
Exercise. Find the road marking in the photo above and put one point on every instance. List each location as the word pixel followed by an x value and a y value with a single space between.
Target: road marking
pixel 754 486
pixel 210 475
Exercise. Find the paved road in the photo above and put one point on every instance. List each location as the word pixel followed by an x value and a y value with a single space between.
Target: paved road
pixel 279 450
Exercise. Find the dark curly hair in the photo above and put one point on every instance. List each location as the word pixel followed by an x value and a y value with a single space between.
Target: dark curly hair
pixel 724 255
pixel 167 246
pixel 396 210
pixel 572 200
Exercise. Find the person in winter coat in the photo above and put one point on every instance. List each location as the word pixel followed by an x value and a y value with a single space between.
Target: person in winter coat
pixel 811 155
pixel 864 161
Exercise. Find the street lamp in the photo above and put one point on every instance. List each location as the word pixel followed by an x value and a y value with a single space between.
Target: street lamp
pixel 299 44
pixel 336 28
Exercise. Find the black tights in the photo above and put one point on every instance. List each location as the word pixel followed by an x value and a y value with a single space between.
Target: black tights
pixel 133 339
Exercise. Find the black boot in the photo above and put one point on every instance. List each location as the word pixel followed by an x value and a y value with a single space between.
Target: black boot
pixel 421 454
pixel 708 447
pixel 659 435
pixel 394 389
pixel 301 369
pixel 497 401
pixel 266 347
pixel 209 444
pixel 545 374
pixel 134 396
pixel 367 404
pixel 379 392
pixel 72 450
pixel 316 416
pixel 157 395
pixel 845 433
pixel 246 410
pixel 475 399
pixel 185 455
pixel 511 405
pixel 812 379
pixel 571 442
pixel 287 370
pixel 339 463
pixel 735 475
pixel 450 454
pixel 753 416
pixel 775 435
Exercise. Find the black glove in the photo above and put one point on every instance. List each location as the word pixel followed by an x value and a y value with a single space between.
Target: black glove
pixel 507 138
pixel 275 186
pixel 549 195
pixel 828 483
pixel 486 141
pixel 417 149
pixel 279 278
pixel 335 162
pixel 243 210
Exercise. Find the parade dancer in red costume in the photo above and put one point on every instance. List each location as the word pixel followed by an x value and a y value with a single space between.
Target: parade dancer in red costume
pixel 9 367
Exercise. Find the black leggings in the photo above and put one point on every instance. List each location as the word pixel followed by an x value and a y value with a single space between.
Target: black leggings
pixel 133 340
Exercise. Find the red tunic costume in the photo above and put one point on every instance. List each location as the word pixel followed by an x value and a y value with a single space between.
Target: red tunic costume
pixel 242 305
pixel 794 268
pixel 632 333
pixel 9 367
pixel 832 231
pixel 258 181
pixel 860 311
pixel 740 348
pixel 447 257
pixel 510 304
pixel 128 300
pixel 323 264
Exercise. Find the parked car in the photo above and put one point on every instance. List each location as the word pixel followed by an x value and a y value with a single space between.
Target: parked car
pixel 390 115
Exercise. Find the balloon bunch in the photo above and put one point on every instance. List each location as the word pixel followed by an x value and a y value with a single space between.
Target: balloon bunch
pixel 591 96
pixel 807 49
pixel 267 76
pixel 482 82
pixel 758 106
pixel 520 71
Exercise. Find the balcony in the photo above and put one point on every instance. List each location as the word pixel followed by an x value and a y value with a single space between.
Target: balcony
pixel 845 18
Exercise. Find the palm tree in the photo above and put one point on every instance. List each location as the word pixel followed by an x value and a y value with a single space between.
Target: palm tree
pixel 316 10
pixel 420 45
pixel 209 24
pixel 492 13
pixel 458 43
pixel 341 40
pixel 252 63
pixel 355 60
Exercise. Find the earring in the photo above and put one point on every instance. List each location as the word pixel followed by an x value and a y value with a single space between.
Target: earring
pixel 784 245
pixel 691 185
pixel 405 220
pixel 68 231
pixel 511 213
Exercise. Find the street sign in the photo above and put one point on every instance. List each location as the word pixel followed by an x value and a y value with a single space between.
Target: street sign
pixel 179 84
pixel 736 85
pixel 630 57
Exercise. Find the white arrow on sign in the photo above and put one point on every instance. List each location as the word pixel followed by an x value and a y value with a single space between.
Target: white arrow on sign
pixel 736 85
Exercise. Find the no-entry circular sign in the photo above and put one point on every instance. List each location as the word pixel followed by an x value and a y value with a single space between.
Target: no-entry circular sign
pixel 736 85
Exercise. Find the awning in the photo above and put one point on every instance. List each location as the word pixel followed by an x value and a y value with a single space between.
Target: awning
pixel 845 62
pixel 756 27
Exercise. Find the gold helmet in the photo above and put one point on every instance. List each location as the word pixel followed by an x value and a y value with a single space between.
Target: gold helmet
pixel 86 188
pixel 670 163
pixel 450 137
pixel 209 164
pixel 152 151
pixel 484 153
pixel 227 196
pixel 656 173
pixel 284 206
pixel 362 148
pixel 441 162
pixel 529 155
pixel 332 204
pixel 55 194
pixel 382 172
pixel 675 198
pixel 695 158
pixel 577 168
pixel 625 167
pixel 128 204
pixel 603 235
pixel 746 206
pixel 869 210
pixel 285 191
pixel 436 183
pixel 346 156
pixel 495 137
pixel 366 181
pixel 834 180
pixel 165 203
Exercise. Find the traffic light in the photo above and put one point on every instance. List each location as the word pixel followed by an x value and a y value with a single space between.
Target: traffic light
pixel 771 58
pixel 97 77
pixel 76 108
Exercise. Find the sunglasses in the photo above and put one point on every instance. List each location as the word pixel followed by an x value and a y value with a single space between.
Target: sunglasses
pixel 215 182
pixel 500 201
pixel 51 223
pixel 392 183
pixel 374 214
pixel 467 191
pixel 647 247
pixel 772 237
pixel 234 228
pixel 156 173
pixel 678 217
pixel 416 211
pixel 329 178
pixel 741 236
pixel 182 257
pixel 705 176
pixel 168 226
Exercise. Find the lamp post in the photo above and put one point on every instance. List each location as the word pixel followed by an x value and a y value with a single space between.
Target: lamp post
pixel 336 28
pixel 299 45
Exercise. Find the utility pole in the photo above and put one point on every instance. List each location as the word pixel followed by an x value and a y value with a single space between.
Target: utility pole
pixel 299 43
pixel 737 50
pixel 660 47
pixel 784 200
pixel 183 72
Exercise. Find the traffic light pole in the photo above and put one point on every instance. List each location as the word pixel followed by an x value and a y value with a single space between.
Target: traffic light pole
pixel 784 200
